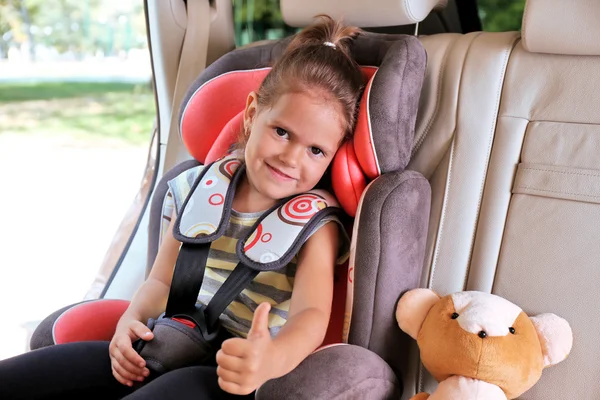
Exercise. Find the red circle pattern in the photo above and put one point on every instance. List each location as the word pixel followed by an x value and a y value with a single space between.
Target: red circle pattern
pixel 301 205
pixel 255 237
pixel 300 209
pixel 229 167
pixel 216 199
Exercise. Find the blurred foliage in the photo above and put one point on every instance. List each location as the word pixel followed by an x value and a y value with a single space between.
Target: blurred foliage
pixel 83 27
pixel 88 111
pixel 259 20
pixel 501 15
pixel 14 92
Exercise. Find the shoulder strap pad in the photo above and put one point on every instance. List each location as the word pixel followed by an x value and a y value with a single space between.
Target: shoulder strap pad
pixel 205 213
pixel 280 233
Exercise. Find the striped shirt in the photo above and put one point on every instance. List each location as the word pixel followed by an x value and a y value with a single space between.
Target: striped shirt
pixel 274 287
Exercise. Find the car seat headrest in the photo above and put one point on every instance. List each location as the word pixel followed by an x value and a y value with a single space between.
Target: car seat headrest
pixel 211 115
pixel 559 27
pixel 361 13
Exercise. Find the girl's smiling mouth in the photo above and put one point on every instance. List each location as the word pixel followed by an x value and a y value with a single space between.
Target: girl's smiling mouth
pixel 278 174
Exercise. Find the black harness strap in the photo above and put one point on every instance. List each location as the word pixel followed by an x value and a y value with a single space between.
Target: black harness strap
pixel 187 279
pixel 236 282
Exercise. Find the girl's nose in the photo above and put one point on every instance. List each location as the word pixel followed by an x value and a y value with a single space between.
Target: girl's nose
pixel 291 155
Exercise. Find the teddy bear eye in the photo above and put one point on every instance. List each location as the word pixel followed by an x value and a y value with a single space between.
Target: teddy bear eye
pixel 511 330
pixel 454 315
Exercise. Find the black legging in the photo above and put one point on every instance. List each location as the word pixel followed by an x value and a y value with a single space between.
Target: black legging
pixel 83 371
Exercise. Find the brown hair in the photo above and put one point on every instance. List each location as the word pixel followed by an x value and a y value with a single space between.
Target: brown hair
pixel 318 57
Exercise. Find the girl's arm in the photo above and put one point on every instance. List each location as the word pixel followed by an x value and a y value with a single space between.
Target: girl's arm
pixel 151 298
pixel 312 296
pixel 149 301
pixel 245 364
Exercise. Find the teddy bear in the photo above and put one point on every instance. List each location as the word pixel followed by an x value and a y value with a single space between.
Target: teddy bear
pixel 481 346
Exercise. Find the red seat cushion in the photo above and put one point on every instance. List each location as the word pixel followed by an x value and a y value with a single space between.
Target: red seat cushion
pixel 214 105
pixel 93 320
pixel 227 137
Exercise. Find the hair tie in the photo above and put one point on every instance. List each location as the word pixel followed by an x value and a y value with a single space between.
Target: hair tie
pixel 329 44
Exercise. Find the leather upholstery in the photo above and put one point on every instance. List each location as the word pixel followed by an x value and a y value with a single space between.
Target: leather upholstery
pixel 562 27
pixel 362 13
pixel 509 136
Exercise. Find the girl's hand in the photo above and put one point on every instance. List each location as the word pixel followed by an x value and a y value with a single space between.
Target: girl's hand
pixel 245 364
pixel 127 364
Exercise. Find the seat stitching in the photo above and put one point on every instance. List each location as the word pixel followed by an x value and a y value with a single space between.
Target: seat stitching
pixel 437 248
pixel 448 180
pixel 557 191
pixel 440 89
pixel 443 215
pixel 347 165
pixel 504 233
pixel 561 172
pixel 551 121
pixel 354 238
pixel 507 53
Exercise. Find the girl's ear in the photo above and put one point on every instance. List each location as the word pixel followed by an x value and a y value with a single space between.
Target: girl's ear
pixel 250 111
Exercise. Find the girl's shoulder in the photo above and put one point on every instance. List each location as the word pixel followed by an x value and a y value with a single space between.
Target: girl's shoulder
pixel 343 238
pixel 181 185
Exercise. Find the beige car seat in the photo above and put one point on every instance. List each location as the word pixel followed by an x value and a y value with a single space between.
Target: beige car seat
pixel 509 137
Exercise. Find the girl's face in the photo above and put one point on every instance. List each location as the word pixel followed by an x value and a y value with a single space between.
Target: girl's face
pixel 291 144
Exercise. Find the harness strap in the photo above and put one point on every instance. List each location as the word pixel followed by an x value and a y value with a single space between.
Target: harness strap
pixel 235 283
pixel 187 279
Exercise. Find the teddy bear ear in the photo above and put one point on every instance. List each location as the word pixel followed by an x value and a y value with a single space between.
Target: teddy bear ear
pixel 412 309
pixel 556 337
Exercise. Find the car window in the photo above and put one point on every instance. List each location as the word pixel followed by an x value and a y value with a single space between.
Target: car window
pixel 77 116
pixel 259 20
pixel 501 15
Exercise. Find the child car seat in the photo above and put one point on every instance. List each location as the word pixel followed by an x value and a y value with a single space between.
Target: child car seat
pixel 392 214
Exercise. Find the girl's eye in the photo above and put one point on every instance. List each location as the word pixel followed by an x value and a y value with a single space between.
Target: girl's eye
pixel 281 132
pixel 316 151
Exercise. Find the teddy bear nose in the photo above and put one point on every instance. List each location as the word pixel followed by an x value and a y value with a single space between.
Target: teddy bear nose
pixel 482 334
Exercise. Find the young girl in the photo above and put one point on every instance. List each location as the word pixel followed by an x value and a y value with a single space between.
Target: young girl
pixel 304 110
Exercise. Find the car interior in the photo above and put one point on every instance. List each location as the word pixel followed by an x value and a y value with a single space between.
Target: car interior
pixel 504 135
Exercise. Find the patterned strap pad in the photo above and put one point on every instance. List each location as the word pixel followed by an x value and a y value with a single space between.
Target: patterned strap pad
pixel 278 235
pixel 205 213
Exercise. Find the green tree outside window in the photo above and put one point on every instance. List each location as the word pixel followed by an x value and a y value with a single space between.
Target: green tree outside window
pixel 501 15
pixel 259 20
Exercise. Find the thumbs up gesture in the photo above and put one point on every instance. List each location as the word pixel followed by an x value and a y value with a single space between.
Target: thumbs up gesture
pixel 245 364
